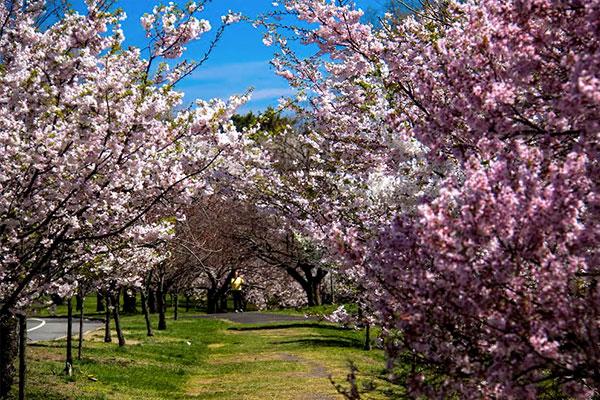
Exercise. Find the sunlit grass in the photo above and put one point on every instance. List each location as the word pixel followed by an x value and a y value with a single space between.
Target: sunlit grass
pixel 207 359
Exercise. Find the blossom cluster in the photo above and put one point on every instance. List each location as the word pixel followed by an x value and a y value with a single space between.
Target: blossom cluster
pixel 171 28
pixel 455 167
pixel 91 144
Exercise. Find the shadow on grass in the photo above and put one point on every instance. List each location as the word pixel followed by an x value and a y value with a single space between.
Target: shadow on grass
pixel 333 342
pixel 287 326
pixel 53 344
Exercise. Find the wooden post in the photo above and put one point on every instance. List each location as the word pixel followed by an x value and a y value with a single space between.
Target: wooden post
pixel 22 356
pixel 162 307
pixel 69 362
pixel 81 314
pixel 176 305
pixel 146 313
pixel 107 337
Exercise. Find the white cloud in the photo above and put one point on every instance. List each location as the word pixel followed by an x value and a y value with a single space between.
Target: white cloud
pixel 221 81
pixel 271 93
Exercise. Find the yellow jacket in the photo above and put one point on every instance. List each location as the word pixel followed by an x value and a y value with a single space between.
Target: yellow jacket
pixel 236 283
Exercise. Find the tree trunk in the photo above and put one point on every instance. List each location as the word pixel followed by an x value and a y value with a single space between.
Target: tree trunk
pixel 222 291
pixel 311 288
pixel 187 303
pixel 162 307
pixel 316 294
pixel 361 313
pixel 56 299
pixel 9 341
pixel 332 288
pixel 69 361
pixel 81 314
pixel 152 301
pixel 223 300
pixel 22 356
pixel 115 299
pixel 99 303
pixel 78 303
pixel 146 314
pixel 107 337
pixel 176 306
pixel 309 283
pixel 211 302
pixel 118 321
pixel 309 297
pixel 129 301
pixel 367 337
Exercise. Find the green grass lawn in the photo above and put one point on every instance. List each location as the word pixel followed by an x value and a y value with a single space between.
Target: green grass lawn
pixel 207 359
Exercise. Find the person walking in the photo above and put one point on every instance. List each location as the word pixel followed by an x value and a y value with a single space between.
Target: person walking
pixel 236 290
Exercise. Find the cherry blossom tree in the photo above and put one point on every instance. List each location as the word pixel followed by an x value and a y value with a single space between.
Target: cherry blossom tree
pixel 219 235
pixel 489 284
pixel 514 240
pixel 297 256
pixel 343 170
pixel 275 185
pixel 92 135
pixel 205 252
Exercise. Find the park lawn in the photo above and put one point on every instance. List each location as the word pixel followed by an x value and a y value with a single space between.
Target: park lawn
pixel 208 359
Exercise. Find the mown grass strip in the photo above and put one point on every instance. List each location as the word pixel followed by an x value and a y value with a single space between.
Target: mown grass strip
pixel 207 359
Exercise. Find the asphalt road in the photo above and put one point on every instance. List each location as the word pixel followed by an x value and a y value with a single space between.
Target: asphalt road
pixel 43 329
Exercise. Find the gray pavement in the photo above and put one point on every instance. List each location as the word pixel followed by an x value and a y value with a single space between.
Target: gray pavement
pixel 43 329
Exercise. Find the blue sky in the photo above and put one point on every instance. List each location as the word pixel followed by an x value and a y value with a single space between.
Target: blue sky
pixel 239 61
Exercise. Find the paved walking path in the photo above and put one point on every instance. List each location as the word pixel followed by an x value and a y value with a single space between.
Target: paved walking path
pixel 42 329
